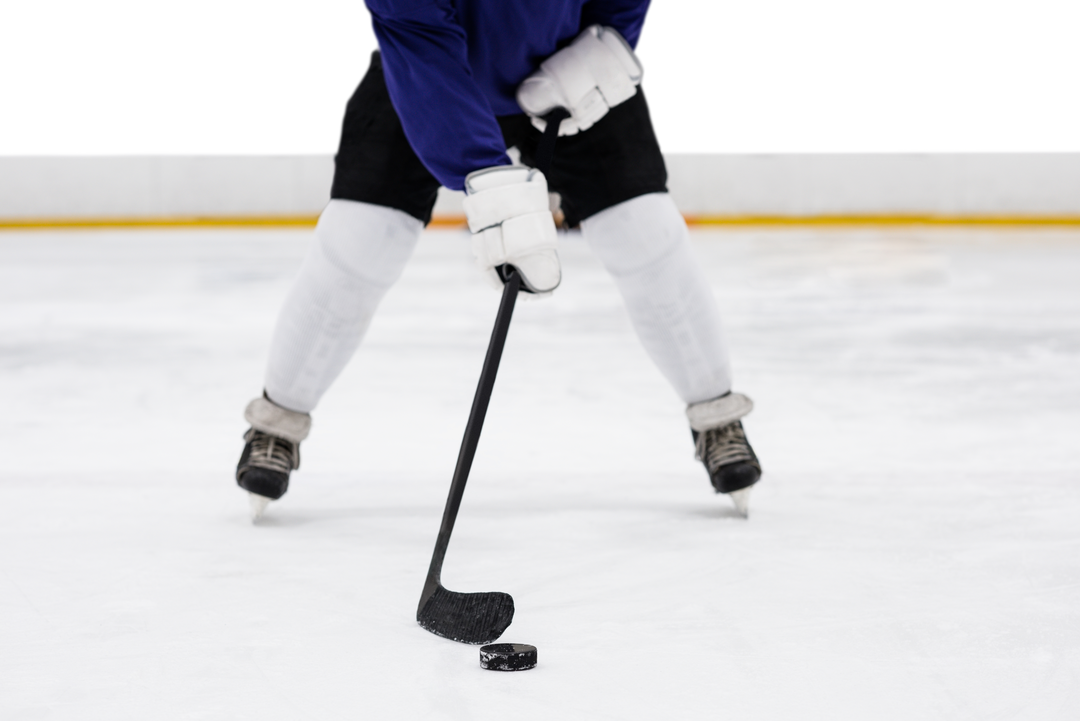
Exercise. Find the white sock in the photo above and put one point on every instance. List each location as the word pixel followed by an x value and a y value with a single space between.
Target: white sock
pixel 358 252
pixel 645 245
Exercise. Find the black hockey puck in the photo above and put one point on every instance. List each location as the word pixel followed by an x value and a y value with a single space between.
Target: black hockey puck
pixel 507 657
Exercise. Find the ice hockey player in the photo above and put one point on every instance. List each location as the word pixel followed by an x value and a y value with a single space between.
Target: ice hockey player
pixel 440 104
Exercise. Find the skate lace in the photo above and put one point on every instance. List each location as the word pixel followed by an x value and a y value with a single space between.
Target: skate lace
pixel 276 454
pixel 718 447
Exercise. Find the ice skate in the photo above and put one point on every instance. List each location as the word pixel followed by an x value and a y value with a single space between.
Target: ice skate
pixel 271 452
pixel 721 445
pixel 264 468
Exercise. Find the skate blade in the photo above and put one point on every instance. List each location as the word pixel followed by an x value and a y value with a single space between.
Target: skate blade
pixel 258 506
pixel 741 499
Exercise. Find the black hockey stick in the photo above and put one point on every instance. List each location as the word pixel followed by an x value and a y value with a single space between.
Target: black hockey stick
pixel 478 617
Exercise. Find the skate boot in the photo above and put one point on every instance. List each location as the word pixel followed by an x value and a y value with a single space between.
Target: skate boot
pixel 721 446
pixel 271 452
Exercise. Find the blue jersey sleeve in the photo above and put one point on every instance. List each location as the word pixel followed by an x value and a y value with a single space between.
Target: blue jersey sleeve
pixel 447 119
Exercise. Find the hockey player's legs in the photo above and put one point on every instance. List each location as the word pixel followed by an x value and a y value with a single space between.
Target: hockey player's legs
pixel 612 180
pixel 358 253
pixel 645 246
pixel 382 197
pixel 613 183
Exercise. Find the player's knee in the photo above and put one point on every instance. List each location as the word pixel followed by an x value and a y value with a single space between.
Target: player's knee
pixel 368 243
pixel 637 233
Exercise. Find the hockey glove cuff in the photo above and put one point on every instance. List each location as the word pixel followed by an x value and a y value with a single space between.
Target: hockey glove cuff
pixel 590 76
pixel 508 212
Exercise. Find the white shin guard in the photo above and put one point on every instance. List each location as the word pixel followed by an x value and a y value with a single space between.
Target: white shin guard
pixel 359 251
pixel 644 244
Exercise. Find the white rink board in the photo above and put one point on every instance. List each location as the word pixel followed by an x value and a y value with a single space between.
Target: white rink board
pixel 913 551
pixel 786 184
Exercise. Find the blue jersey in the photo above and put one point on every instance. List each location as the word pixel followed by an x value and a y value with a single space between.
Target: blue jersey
pixel 452 66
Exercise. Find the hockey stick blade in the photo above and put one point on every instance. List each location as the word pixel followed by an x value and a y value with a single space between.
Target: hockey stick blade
pixel 475 618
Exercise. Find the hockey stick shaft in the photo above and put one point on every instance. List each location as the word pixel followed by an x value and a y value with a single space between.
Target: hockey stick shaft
pixel 511 286
pixel 545 149
pixel 474 427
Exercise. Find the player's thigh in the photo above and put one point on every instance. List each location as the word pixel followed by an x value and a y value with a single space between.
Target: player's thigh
pixel 615 160
pixel 375 163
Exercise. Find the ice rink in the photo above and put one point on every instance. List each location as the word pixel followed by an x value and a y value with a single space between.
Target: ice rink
pixel 913 550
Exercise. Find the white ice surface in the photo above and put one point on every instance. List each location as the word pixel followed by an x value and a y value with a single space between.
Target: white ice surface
pixel 913 551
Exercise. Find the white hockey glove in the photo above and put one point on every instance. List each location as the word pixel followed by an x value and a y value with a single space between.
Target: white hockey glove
pixel 508 213
pixel 590 76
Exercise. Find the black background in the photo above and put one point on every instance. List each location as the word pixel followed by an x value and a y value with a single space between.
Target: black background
pixel 245 75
